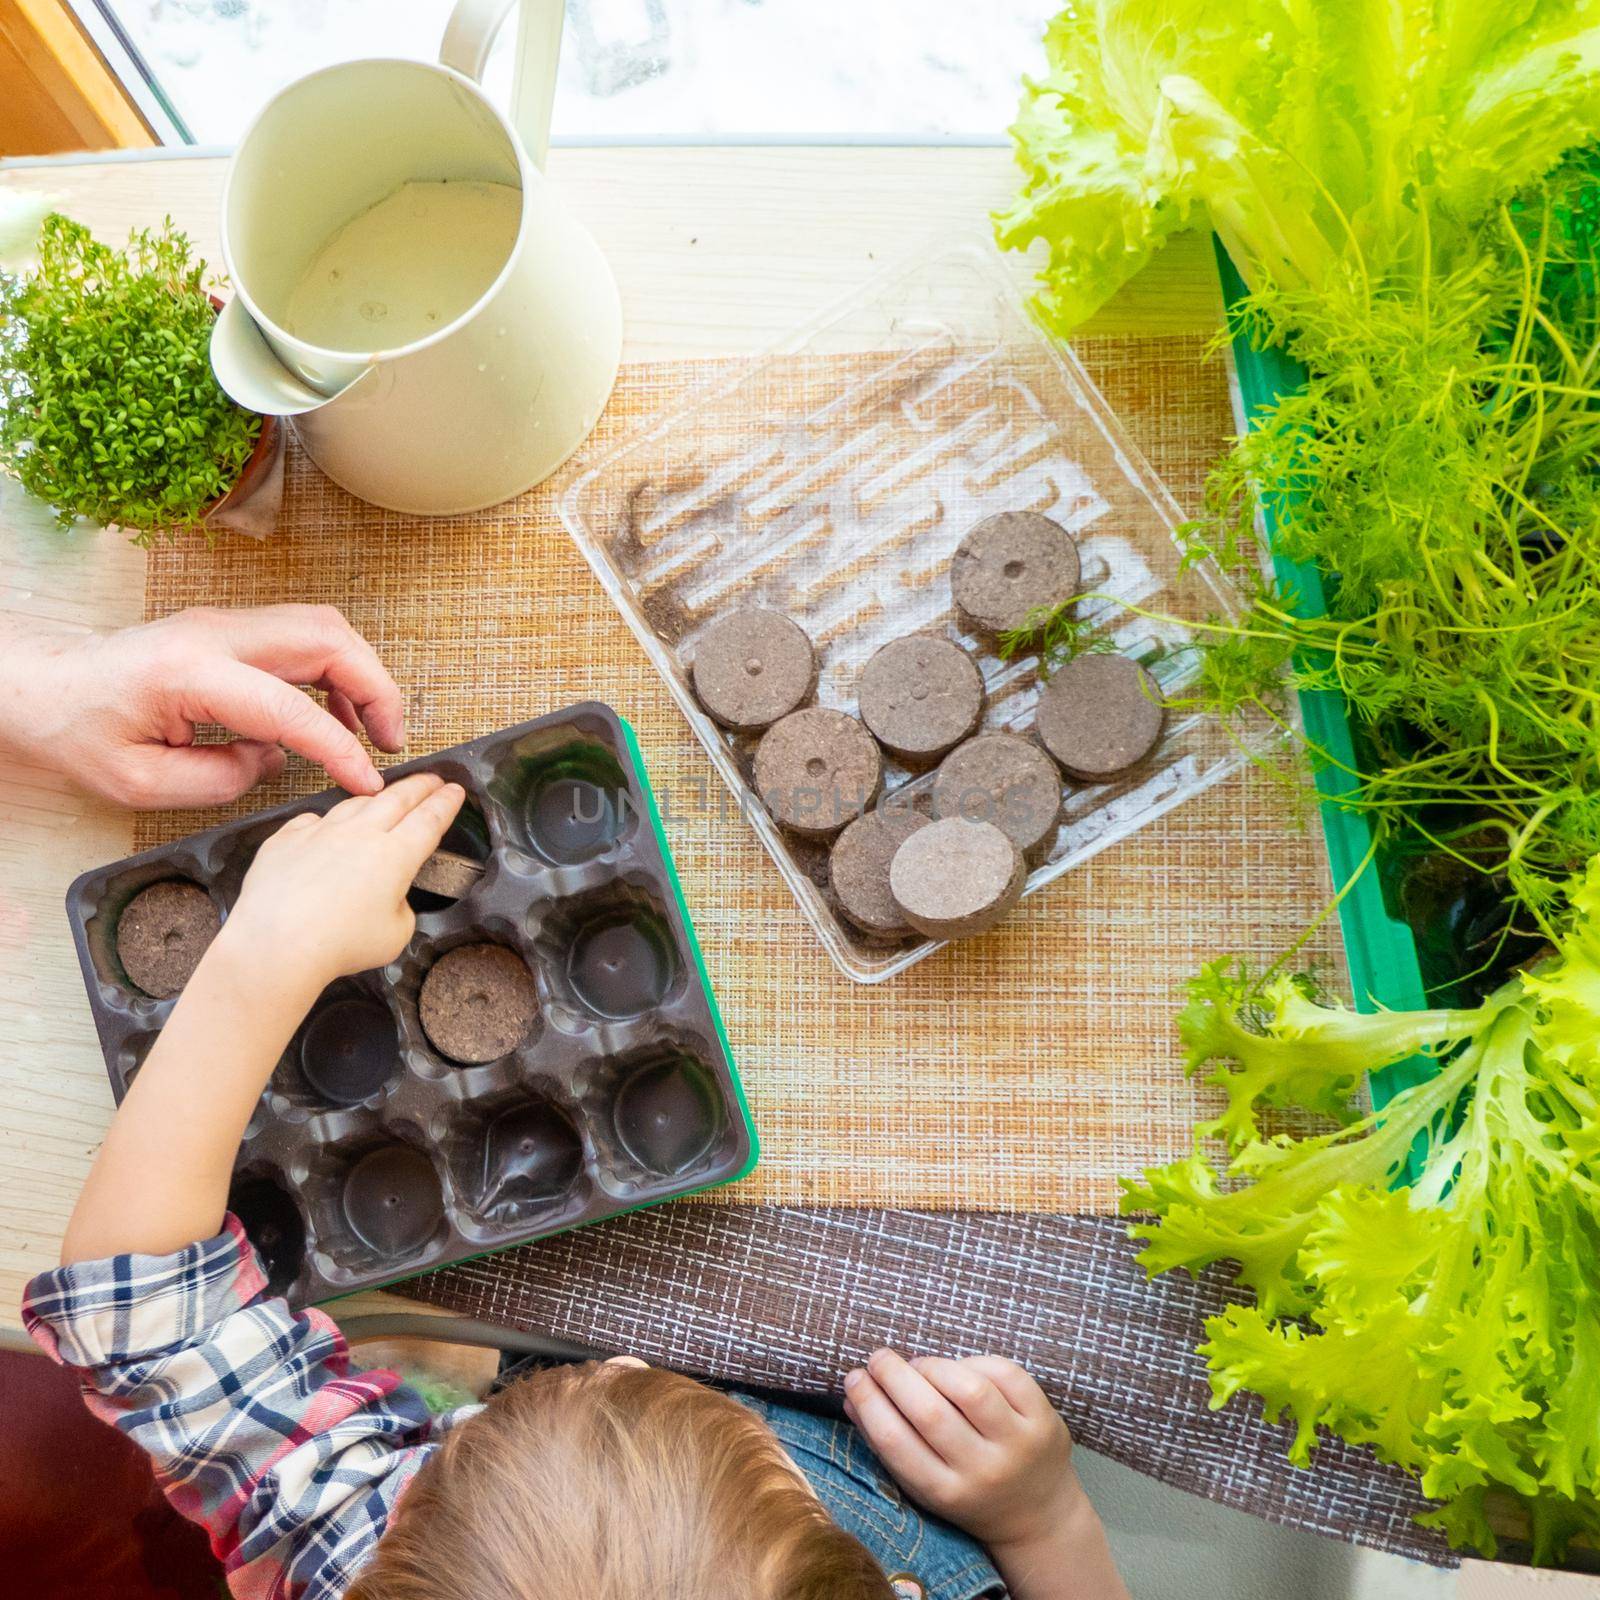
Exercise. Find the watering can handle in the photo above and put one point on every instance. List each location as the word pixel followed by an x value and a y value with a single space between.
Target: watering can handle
pixel 471 31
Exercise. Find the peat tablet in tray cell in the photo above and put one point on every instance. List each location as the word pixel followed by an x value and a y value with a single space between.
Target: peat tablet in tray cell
pixel 1004 779
pixel 920 695
pixel 753 667
pixel 448 875
pixel 1009 566
pixel 956 878
pixel 859 868
pixel 478 1003
pixel 162 933
pixel 817 770
pixel 1100 716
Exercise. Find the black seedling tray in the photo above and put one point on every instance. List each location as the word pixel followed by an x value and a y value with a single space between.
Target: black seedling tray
pixel 623 1094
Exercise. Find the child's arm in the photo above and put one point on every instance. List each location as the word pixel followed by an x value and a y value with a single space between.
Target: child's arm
pixel 253 1419
pixel 324 897
pixel 977 1443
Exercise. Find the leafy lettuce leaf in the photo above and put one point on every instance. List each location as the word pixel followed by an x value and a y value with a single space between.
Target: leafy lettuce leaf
pixel 1313 138
pixel 1452 1323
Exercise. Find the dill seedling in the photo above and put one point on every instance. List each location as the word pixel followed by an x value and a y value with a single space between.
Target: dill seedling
pixel 1437 468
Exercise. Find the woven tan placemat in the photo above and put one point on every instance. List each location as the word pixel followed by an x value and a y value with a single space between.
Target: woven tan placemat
pixel 1024 1072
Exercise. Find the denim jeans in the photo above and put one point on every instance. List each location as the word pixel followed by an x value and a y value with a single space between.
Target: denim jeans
pixel 933 1560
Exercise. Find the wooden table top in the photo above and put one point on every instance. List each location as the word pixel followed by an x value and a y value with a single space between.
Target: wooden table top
pixel 718 251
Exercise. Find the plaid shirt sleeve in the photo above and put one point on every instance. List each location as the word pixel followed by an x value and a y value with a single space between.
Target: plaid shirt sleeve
pixel 255 1423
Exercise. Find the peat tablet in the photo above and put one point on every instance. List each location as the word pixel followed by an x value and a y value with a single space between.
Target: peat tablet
pixel 753 667
pixel 162 933
pixel 920 695
pixel 956 878
pixel 1010 566
pixel 1004 779
pixel 478 1003
pixel 859 868
pixel 817 770
pixel 448 875
pixel 1099 716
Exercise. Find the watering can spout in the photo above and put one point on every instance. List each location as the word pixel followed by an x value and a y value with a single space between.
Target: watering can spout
pixel 250 372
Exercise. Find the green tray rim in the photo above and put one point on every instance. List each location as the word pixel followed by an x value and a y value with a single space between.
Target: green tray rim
pixel 1385 973
pixel 695 951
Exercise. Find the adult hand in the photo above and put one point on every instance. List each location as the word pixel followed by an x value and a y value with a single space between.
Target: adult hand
pixel 116 713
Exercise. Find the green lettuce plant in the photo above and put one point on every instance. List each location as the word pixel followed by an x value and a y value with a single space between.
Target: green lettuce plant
pixel 1397 181
pixel 1426 1278
pixel 108 406
pixel 1302 134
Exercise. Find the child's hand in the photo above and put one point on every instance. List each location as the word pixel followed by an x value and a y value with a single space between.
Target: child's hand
pixel 326 896
pixel 975 1441
pixel 978 1443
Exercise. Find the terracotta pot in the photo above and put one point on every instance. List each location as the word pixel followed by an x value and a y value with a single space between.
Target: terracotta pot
pixel 257 465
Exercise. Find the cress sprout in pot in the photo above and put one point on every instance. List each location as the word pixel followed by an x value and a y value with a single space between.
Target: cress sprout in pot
pixel 109 409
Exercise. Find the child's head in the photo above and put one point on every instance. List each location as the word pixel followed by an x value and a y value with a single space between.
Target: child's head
pixel 611 1482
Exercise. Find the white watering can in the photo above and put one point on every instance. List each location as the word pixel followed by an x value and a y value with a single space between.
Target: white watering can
pixel 497 398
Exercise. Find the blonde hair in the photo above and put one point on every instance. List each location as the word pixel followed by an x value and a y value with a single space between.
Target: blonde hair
pixel 614 1483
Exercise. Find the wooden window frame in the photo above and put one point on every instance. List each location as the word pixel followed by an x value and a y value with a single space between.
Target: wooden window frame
pixel 57 93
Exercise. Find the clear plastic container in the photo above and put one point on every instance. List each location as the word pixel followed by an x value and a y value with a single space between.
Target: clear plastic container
pixel 832 477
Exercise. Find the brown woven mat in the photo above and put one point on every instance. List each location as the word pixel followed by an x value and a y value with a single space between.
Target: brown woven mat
pixel 1024 1072
pixel 787 1298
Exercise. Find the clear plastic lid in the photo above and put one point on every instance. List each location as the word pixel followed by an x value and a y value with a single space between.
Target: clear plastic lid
pixel 832 477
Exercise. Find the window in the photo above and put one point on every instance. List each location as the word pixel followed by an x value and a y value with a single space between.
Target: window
pixel 634 69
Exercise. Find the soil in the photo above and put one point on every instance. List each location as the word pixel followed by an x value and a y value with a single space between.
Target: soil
pixel 1010 566
pixel 1004 779
pixel 920 696
pixel 955 878
pixel 817 770
pixel 478 1003
pixel 162 934
pixel 1100 716
pixel 859 868
pixel 753 667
